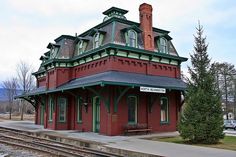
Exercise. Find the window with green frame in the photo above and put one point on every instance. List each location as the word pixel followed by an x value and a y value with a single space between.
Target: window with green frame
pixel 79 111
pixel 132 109
pixel 80 47
pixel 164 110
pixel 62 103
pixel 131 38
pixel 163 45
pixel 54 52
pixel 50 109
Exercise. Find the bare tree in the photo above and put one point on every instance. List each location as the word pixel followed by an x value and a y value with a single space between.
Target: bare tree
pixel 224 75
pixel 10 87
pixel 26 81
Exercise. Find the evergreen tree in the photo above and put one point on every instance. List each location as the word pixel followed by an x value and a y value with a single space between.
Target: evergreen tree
pixel 201 120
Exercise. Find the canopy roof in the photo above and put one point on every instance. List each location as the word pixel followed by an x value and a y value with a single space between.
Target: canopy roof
pixel 115 78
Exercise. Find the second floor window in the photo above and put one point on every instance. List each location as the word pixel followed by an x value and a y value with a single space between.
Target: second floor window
pixel 53 51
pixel 96 40
pixel 163 45
pixel 132 38
pixel 80 47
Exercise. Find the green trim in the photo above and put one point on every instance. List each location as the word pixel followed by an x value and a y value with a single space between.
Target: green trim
pixel 166 61
pixel 133 27
pixel 117 100
pixel 64 37
pixel 79 103
pixel 108 21
pixel 96 110
pixel 113 31
pixel 168 111
pixel 106 101
pixel 133 55
pixel 105 51
pixel 98 83
pixel 136 109
pixel 115 9
pixel 50 109
pixel 127 37
pixel 64 108
pixel 122 53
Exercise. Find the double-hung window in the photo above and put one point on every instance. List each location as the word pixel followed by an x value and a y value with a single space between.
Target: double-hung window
pixel 79 47
pixel 164 110
pixel 132 109
pixel 163 45
pixel 79 111
pixel 50 109
pixel 96 40
pixel 131 38
pixel 62 103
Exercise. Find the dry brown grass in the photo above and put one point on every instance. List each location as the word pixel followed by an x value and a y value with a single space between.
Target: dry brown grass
pixel 16 117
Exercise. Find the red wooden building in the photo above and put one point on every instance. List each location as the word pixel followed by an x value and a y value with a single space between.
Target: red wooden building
pixel 117 73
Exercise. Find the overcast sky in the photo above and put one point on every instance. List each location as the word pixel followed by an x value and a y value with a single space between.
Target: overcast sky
pixel 27 26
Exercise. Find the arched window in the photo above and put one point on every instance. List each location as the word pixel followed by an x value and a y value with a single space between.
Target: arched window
pixel 163 45
pixel 132 36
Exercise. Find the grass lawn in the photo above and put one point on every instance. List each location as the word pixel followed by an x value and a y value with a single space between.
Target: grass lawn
pixel 229 142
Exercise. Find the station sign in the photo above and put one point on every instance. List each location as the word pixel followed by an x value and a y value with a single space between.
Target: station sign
pixel 152 90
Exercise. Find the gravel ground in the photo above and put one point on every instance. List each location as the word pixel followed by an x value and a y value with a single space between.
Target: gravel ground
pixel 8 151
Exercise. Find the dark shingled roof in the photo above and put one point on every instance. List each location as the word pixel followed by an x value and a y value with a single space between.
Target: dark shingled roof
pixel 117 78
pixel 127 79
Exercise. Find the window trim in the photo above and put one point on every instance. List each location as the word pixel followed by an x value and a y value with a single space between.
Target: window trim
pixel 99 38
pixel 65 108
pixel 50 109
pixel 81 47
pixel 163 46
pixel 136 109
pixel 54 52
pixel 128 41
pixel 79 103
pixel 168 111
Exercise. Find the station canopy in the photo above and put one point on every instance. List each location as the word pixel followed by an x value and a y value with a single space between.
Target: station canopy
pixel 115 78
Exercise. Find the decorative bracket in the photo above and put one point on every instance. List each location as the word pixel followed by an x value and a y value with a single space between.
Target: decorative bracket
pixel 122 93
pixel 106 101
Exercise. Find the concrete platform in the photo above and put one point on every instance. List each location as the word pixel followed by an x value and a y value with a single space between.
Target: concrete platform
pixel 128 143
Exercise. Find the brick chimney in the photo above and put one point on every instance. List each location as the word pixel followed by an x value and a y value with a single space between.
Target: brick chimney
pixel 145 17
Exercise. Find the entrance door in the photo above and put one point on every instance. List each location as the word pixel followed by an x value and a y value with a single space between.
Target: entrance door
pixel 42 115
pixel 96 114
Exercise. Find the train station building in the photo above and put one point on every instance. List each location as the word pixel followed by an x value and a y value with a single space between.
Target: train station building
pixel 117 74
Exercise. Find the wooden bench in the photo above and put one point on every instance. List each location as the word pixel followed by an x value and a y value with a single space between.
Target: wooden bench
pixel 137 128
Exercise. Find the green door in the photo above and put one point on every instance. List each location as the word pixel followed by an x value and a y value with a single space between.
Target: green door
pixel 42 115
pixel 96 114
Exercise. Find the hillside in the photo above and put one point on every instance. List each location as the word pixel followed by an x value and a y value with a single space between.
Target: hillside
pixel 3 96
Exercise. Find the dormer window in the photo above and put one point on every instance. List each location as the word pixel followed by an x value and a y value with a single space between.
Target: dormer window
pixel 81 44
pixel 80 47
pixel 132 37
pixel 163 47
pixel 98 36
pixel 53 50
pixel 96 40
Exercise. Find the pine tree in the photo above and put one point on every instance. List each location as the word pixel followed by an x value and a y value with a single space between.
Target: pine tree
pixel 201 120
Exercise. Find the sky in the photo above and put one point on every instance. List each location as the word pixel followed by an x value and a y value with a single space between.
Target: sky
pixel 27 26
